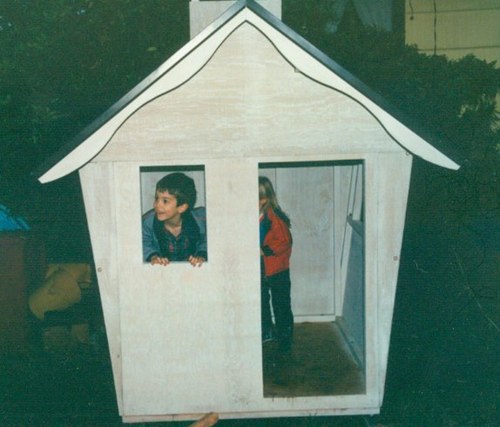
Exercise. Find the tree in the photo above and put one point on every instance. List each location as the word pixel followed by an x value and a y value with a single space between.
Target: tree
pixel 63 63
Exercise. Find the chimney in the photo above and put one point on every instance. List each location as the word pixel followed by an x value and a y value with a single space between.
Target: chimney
pixel 203 13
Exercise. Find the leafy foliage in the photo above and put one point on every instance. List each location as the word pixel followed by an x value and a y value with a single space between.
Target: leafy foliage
pixel 454 101
pixel 65 62
pixel 62 64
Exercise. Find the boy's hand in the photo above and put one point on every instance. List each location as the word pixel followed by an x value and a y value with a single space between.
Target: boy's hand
pixel 155 259
pixel 196 261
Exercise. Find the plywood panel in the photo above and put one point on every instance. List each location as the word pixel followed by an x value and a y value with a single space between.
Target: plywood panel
pixel 371 259
pixel 307 195
pixel 247 101
pixel 350 240
pixel 342 186
pixel 393 185
pixel 348 202
pixel 353 312
pixel 190 337
pixel 99 196
pixel 194 332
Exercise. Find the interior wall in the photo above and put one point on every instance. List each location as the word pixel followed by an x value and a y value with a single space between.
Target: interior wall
pixel 305 193
pixel 353 317
pixel 351 256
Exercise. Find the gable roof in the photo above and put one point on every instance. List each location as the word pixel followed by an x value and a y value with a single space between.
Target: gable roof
pixel 91 140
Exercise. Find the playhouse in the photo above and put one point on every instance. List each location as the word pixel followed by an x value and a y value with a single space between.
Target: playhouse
pixel 247 96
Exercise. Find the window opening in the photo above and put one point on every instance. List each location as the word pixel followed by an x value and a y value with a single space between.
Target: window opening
pixel 173 215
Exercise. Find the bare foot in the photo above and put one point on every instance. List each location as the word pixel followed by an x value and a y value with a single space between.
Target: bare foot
pixel 206 421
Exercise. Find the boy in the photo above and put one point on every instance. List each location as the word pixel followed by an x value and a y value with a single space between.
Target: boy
pixel 173 230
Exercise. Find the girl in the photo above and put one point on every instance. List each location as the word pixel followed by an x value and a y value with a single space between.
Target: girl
pixel 275 251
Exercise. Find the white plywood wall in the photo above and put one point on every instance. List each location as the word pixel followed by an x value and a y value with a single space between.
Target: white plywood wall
pixel 181 323
pixel 98 187
pixel 351 285
pixel 248 112
pixel 187 340
pixel 393 182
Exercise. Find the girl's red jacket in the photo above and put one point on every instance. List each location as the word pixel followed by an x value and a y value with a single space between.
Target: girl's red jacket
pixel 277 245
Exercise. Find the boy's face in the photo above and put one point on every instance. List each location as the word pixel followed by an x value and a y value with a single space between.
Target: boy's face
pixel 166 208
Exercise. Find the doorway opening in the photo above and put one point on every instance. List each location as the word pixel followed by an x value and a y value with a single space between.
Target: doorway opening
pixel 324 201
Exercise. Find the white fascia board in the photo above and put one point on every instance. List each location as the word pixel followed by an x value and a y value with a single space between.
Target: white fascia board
pixel 311 67
pixel 178 69
pixel 186 62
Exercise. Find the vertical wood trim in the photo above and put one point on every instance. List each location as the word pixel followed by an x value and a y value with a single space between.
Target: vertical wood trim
pixel 341 201
pixel 372 235
pixel 393 183
pixel 348 203
pixel 97 186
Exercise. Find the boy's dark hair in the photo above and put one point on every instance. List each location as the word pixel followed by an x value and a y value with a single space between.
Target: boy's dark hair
pixel 180 186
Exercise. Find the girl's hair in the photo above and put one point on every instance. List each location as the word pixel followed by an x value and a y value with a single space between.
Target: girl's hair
pixel 266 190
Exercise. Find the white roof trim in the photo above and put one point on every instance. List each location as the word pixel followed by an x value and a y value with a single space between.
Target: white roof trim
pixel 303 62
pixel 186 62
pixel 180 67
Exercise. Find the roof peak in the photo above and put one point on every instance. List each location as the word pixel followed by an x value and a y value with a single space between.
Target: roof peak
pixel 90 141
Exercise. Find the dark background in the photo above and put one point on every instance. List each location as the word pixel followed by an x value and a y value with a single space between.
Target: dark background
pixel 63 64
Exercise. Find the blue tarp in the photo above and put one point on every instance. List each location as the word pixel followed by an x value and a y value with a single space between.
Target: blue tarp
pixel 9 222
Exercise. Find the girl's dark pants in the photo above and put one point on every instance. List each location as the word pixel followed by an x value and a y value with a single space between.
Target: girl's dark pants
pixel 276 289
